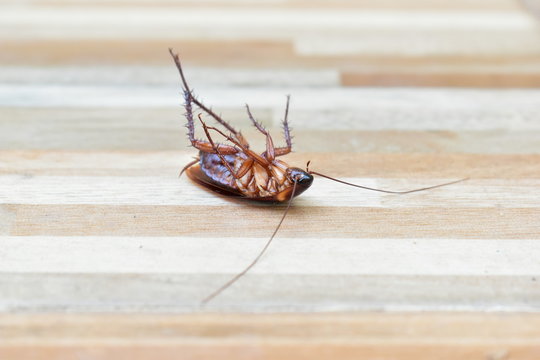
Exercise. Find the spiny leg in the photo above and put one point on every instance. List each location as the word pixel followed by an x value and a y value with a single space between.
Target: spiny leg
pixel 189 115
pixel 217 150
pixel 189 94
pixel 204 146
pixel 257 124
pixel 269 154
pixel 261 160
pixel 286 132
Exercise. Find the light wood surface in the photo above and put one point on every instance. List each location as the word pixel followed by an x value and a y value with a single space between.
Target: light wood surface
pixel 105 253
pixel 277 336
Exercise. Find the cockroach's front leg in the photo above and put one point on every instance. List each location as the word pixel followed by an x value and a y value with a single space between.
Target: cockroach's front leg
pixel 250 153
pixel 269 154
pixel 280 151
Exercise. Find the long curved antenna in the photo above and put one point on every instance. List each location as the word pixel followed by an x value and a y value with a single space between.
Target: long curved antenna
pixel 387 191
pixel 243 272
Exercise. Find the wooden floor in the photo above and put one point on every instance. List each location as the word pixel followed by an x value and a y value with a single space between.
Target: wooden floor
pixel 106 254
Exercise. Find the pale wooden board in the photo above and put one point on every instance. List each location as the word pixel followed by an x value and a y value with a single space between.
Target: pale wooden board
pixel 375 336
pixel 392 94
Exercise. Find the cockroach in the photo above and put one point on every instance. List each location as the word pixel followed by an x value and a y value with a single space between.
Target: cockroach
pixel 233 169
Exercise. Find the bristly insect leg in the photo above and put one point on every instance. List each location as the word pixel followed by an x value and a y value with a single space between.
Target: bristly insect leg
pixel 286 130
pixel 217 150
pixel 189 94
pixel 204 146
pixel 280 151
pixel 261 160
pixel 269 154
pixel 257 124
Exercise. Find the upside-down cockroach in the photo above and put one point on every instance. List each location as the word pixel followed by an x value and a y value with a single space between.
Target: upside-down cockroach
pixel 233 169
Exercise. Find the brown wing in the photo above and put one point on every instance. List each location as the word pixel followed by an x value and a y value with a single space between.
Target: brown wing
pixel 196 174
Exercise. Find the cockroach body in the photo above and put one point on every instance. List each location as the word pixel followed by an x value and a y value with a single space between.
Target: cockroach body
pixel 233 169
pixel 271 182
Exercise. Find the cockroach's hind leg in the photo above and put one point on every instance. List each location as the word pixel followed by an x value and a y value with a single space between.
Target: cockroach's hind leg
pixel 201 145
pixel 190 164
pixel 176 59
pixel 189 93
pixel 189 116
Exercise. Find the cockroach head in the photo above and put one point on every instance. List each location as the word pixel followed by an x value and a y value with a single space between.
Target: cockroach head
pixel 302 178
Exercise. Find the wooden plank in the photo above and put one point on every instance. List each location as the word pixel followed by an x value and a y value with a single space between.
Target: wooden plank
pixel 344 336
pixel 89 135
pixel 233 23
pixel 166 164
pixel 228 52
pixel 310 294
pixel 293 4
pixel 144 255
pixel 336 222
pixel 356 108
pixel 468 70
pixel 156 190
pixel 145 75
pixel 495 79
pixel 153 51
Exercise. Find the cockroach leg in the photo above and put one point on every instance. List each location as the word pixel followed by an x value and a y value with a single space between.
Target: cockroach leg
pixel 258 158
pixel 188 93
pixel 257 124
pixel 280 151
pixel 218 118
pixel 269 154
pixel 190 164
pixel 286 129
pixel 217 150
pixel 200 144
pixel 252 264
pixel 270 151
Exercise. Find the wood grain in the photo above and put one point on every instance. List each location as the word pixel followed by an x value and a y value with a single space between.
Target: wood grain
pixel 105 253
pixel 374 165
pixel 404 336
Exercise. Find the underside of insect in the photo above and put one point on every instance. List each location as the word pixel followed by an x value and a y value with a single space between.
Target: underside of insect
pixel 233 169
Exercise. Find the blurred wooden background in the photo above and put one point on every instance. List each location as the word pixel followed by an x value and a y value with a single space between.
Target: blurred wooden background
pixel 392 94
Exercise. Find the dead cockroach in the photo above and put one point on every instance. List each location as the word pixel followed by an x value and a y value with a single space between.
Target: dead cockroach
pixel 233 169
